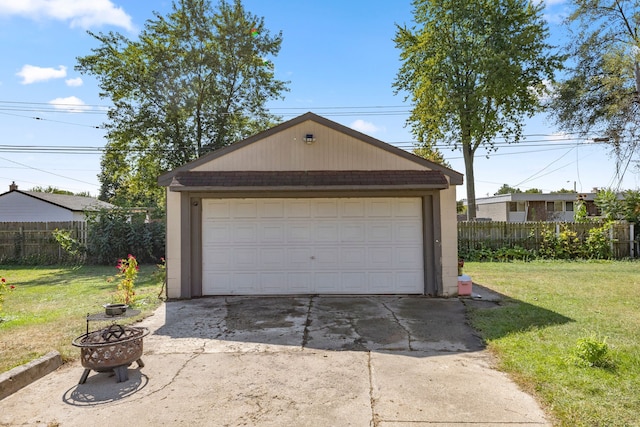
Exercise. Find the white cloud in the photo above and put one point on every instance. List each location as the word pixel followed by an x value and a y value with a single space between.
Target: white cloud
pixel 70 103
pixel 79 13
pixel 74 82
pixel 32 74
pixel 365 127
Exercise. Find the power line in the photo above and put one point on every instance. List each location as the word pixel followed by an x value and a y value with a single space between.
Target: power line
pixel 44 171
pixel 51 120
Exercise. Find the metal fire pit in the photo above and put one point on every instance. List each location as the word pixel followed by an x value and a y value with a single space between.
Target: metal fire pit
pixel 111 349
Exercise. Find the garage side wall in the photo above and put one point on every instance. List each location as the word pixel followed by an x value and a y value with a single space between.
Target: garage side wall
pixel 173 246
pixel 449 241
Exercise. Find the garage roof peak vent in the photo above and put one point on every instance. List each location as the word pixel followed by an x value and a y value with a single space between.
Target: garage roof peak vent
pixel 309 138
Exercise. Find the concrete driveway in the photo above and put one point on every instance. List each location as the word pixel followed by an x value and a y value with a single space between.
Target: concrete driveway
pixel 291 361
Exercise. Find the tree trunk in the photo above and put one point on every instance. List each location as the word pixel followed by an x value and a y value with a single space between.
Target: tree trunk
pixel 471 186
pixel 636 70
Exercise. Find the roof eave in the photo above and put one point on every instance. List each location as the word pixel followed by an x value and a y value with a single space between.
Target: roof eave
pixel 292 188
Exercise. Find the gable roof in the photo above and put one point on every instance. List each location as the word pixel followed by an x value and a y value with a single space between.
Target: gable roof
pixel 72 203
pixel 455 178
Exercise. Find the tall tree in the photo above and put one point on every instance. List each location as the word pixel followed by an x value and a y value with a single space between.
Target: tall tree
pixel 474 70
pixel 194 81
pixel 507 189
pixel 601 93
pixel 431 154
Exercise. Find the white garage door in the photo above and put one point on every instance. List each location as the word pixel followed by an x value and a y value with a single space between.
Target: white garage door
pixel 309 246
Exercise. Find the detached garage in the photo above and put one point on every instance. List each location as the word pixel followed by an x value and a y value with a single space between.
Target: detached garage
pixel 311 207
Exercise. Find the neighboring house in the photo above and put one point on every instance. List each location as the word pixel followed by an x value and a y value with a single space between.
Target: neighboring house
pixel 31 206
pixel 311 207
pixel 522 207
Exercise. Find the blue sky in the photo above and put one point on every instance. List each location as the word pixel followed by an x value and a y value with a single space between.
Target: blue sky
pixel 338 56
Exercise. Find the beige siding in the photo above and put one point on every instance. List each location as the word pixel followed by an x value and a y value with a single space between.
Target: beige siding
pixel 174 241
pixel 449 236
pixel 495 211
pixel 331 150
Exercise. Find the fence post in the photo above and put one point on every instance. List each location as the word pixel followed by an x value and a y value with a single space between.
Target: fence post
pixel 631 241
pixel 611 239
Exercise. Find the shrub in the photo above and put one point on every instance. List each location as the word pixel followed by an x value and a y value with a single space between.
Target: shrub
pixel 592 351
pixel 114 233
pixel 598 243
pixel 565 245
pixel 127 274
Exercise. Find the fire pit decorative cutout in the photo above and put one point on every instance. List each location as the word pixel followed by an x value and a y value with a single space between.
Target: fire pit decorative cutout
pixel 111 349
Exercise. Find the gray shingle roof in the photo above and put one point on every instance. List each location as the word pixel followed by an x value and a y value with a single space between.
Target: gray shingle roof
pixel 238 180
pixel 73 203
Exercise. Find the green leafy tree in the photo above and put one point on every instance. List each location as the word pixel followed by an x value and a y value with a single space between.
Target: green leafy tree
pixel 614 207
pixel 580 214
pixel 610 206
pixel 473 71
pixel 56 190
pixel 601 92
pixel 507 189
pixel 193 81
pixel 563 191
pixel 432 154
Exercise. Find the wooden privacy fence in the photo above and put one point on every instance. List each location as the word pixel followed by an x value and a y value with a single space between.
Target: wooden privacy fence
pixel 21 241
pixel 528 235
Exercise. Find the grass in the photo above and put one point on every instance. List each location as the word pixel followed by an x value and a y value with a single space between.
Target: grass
pixel 47 309
pixel 548 308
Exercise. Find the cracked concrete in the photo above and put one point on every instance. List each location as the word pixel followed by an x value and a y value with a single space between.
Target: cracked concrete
pixel 296 361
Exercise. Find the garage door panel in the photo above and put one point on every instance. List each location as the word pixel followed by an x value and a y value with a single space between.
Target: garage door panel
pixel 325 258
pixel 244 258
pixel 405 281
pixel 272 282
pixel 299 283
pixel 273 259
pixel 301 246
pixel 218 259
pixel 353 208
pixel 380 231
pixel 214 283
pixel 213 208
pixel 326 232
pixel 353 257
pixel 326 208
pixel 407 233
pixel 271 208
pixel 296 208
pixel 352 232
pixel 381 257
pixel 272 232
pixel 377 208
pixel 354 281
pixel 246 209
pixel 245 283
pixel 406 257
pixel 299 232
pixel 217 233
pixel 327 282
pixel 245 233
pixel 299 258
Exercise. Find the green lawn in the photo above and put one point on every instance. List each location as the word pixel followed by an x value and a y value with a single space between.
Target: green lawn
pixel 548 306
pixel 47 309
